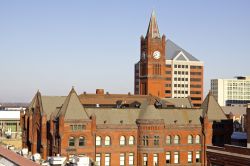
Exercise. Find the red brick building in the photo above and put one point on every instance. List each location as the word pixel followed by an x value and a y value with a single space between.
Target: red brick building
pixel 123 129
pixel 166 70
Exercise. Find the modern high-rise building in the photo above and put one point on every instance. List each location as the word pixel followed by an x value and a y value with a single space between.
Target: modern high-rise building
pixel 230 92
pixel 166 70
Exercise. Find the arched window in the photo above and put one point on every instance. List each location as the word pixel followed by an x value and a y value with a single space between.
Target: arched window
pixel 190 139
pixel 176 139
pixel 82 141
pixel 107 141
pixel 145 140
pixel 168 140
pixel 71 141
pixel 122 140
pixel 131 140
pixel 197 139
pixel 98 141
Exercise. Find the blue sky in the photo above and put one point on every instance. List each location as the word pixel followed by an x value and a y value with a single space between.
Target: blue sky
pixel 54 45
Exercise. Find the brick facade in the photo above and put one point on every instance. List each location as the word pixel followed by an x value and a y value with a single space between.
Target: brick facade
pixel 150 133
pixel 174 73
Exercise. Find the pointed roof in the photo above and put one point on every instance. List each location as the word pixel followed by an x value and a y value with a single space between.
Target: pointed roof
pixel 153 30
pixel 173 50
pixel 212 109
pixel 148 110
pixel 72 107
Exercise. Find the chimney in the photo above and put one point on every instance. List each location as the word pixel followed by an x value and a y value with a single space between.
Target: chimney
pixel 100 91
pixel 248 125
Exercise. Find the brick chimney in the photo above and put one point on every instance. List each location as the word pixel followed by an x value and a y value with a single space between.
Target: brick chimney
pixel 248 126
pixel 100 91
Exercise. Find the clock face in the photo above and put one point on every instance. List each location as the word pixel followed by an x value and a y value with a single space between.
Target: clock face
pixel 156 54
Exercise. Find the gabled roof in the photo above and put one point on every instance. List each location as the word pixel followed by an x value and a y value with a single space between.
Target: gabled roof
pixel 212 109
pixel 52 103
pixel 172 50
pixel 72 107
pixel 37 100
pixel 153 30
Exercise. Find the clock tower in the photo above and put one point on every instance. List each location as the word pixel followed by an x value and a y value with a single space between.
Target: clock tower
pixel 151 67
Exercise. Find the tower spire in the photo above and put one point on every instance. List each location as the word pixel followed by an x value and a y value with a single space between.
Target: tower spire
pixel 153 30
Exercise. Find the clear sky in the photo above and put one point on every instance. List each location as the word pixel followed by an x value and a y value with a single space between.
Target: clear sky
pixel 54 45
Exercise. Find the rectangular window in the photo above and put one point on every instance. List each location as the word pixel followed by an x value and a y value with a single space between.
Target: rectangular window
pixel 122 159
pixel 107 159
pixel 176 157
pixel 198 157
pixel 195 79
pixel 156 140
pixel 145 159
pixel 168 72
pixel 155 160
pixel 168 66
pixel 131 159
pixel 78 127
pixel 167 91
pixel 190 157
pixel 168 157
pixel 98 159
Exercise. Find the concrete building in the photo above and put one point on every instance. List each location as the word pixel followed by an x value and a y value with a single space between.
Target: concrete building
pixel 129 130
pixel 10 124
pixel 166 70
pixel 230 92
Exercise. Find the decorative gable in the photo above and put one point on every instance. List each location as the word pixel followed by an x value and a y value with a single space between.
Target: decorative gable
pixel 181 57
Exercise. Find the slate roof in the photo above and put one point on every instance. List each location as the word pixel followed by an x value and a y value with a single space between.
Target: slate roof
pixel 129 116
pixel 72 107
pixel 109 99
pixel 148 111
pixel 212 109
pixel 153 30
pixel 172 50
pixel 179 102
pixel 52 103
pixel 235 110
